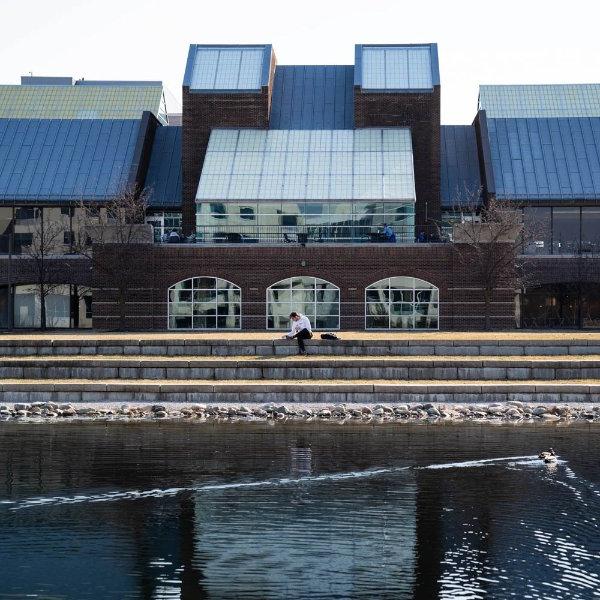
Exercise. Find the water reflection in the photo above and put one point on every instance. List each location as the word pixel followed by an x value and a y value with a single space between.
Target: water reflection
pixel 175 510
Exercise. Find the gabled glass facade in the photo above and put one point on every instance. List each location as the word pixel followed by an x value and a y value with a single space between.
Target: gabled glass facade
pixel 281 186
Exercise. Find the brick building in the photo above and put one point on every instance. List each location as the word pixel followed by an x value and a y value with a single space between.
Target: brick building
pixel 325 189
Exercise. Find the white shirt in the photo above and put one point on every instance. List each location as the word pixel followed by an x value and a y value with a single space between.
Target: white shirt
pixel 299 325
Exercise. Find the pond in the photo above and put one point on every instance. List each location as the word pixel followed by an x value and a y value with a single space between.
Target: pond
pixel 298 510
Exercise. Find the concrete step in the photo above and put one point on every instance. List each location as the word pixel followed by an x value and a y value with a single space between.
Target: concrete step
pixel 326 391
pixel 309 368
pixel 261 346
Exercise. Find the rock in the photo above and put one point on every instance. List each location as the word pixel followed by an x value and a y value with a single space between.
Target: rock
pixel 513 413
pixel 385 407
pixel 366 410
pixel 549 417
pixel 158 408
pixel 324 413
pixel 460 409
pixel 3 407
pixel 378 411
pixel 68 412
pixel 355 412
pixel 426 406
pixel 496 409
pixel 160 414
pixel 433 412
pixel 515 403
pixel 19 407
pixel 282 409
pixel 22 413
pixel 306 412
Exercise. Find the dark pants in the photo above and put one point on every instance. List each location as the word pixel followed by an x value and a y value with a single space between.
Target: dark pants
pixel 303 334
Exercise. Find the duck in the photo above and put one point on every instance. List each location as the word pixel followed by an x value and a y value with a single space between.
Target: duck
pixel 548 456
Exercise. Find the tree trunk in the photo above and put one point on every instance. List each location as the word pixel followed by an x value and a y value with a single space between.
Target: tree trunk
pixel 487 308
pixel 42 308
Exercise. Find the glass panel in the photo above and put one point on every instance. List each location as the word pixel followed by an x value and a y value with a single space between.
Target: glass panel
pixel 204 283
pixel 331 322
pixel 401 322
pixel 377 295
pixel 303 296
pixel 566 230
pixel 401 295
pixel 377 322
pixel 204 308
pixel 590 229
pixel 537 223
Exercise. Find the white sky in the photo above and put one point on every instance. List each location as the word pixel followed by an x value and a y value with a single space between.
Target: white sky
pixel 483 41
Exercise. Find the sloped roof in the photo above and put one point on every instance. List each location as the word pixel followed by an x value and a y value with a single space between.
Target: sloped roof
pixel 545 159
pixel 540 101
pixel 313 97
pixel 258 164
pixel 459 163
pixel 66 160
pixel 164 171
pixel 82 101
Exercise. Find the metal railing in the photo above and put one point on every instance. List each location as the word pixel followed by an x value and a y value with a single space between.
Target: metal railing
pixel 280 235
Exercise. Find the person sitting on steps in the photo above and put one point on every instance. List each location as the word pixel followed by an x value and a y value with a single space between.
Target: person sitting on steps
pixel 301 330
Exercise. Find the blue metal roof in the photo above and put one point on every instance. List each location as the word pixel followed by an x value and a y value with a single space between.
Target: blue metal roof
pixel 460 163
pixel 164 171
pixel 313 97
pixel 66 159
pixel 545 159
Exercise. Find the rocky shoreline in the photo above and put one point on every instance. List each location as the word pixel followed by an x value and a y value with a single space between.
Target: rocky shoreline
pixel 512 411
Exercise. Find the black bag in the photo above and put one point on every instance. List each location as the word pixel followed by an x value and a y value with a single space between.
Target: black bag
pixel 329 336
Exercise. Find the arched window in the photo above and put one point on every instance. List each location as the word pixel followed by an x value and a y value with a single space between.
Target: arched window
pixel 204 303
pixel 401 303
pixel 316 298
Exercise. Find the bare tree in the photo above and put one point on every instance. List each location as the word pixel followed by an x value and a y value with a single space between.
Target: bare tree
pixel 47 242
pixel 107 234
pixel 488 240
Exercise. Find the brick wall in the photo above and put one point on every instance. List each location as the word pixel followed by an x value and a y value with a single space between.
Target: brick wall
pixel 65 270
pixel 420 112
pixel 255 268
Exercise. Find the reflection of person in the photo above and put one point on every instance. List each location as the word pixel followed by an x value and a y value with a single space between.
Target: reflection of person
pixel 389 234
pixel 173 237
pixel 301 330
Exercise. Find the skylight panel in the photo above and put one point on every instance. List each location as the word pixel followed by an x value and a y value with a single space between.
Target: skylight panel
pixel 396 68
pixel 227 68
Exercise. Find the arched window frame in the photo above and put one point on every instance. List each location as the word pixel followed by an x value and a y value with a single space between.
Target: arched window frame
pixel 418 285
pixel 218 285
pixel 314 321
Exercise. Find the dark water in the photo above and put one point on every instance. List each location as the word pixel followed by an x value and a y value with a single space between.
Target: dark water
pixel 191 510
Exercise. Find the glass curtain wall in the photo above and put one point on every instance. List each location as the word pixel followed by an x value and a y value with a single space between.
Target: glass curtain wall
pixel 277 222
pixel 204 303
pixel 401 303
pixel 67 306
pixel 562 230
pixel 316 298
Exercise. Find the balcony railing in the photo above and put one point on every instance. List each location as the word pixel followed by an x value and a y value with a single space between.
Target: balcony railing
pixel 280 235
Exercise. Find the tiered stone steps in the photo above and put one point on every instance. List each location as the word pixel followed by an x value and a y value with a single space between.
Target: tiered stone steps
pixel 238 368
